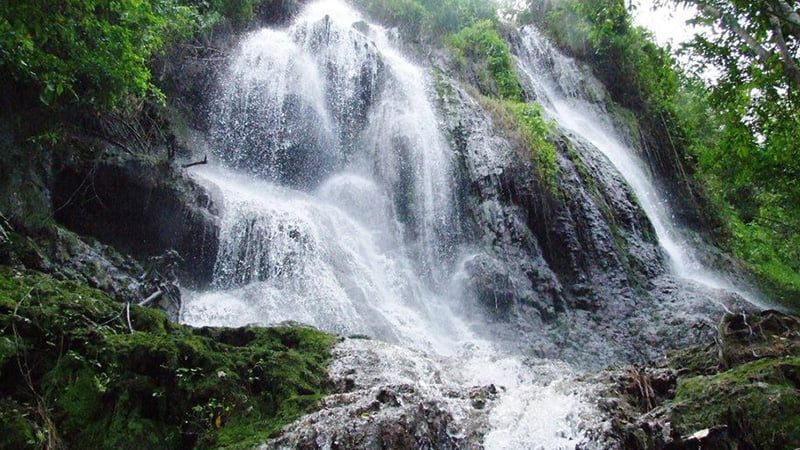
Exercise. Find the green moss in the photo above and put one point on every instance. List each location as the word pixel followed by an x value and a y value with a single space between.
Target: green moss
pixel 695 360
pixel 18 429
pixel 162 386
pixel 759 399
pixel 526 128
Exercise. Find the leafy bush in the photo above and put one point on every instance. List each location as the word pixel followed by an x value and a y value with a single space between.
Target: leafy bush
pixel 408 15
pixel 482 48
pixel 450 16
pixel 526 128
pixel 93 52
pixel 429 18
pixel 536 132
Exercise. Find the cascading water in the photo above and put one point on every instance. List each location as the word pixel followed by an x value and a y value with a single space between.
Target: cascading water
pixel 344 206
pixel 568 97
pixel 339 212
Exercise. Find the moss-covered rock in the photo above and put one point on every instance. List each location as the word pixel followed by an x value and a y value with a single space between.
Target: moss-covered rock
pixel 759 402
pixel 742 392
pixel 73 372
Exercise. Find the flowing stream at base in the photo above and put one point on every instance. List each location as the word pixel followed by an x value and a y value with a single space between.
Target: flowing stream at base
pixel 338 212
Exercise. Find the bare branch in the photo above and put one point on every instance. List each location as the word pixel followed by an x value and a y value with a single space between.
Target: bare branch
pixel 155 295
pixel 789 64
pixel 788 13
pixel 196 163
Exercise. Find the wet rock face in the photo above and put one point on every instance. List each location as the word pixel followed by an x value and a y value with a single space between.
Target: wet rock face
pixel 389 397
pixel 491 284
pixel 66 256
pixel 141 209
pixel 585 255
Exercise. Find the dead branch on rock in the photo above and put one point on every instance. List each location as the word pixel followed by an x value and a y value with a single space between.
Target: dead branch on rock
pixel 154 296
pixel 196 163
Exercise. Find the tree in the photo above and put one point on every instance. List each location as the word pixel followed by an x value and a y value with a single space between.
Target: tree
pixel 768 31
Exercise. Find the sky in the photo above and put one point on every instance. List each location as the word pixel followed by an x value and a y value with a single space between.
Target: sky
pixel 668 24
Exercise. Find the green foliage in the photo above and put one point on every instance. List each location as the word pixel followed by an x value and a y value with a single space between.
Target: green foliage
pixel 450 16
pixel 89 382
pixel 481 47
pixel 92 52
pixel 236 11
pixel 536 132
pixel 744 128
pixel 408 15
pixel 429 18
pixel 18 431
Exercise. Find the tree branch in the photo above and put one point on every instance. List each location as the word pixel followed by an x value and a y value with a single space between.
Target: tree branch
pixel 733 25
pixel 789 64
pixel 788 13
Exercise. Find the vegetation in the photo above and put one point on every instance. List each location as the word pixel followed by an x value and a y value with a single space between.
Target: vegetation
pixel 483 57
pixel 761 394
pixel 481 46
pixel 525 126
pixel 91 52
pixel 751 388
pixel 429 18
pixel 742 390
pixel 96 54
pixel 74 375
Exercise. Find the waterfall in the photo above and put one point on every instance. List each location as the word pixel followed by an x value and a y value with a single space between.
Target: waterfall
pixel 354 183
pixel 339 211
pixel 342 207
pixel 571 98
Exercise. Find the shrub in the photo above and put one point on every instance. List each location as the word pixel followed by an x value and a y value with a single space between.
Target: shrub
pixel 481 47
pixel 93 52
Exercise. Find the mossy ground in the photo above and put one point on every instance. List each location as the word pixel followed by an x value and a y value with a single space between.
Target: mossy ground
pixel 72 375
pixel 744 390
pixel 759 400
pixel 749 383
